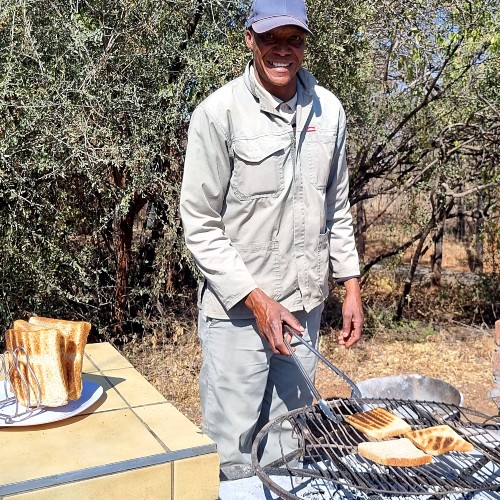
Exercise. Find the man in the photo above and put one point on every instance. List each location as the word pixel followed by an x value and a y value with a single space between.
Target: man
pixel 265 209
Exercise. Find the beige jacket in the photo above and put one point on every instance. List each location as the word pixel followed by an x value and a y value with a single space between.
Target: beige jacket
pixel 265 204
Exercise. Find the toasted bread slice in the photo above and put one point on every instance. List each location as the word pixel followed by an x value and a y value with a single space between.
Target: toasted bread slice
pixel 438 440
pixel 45 354
pixel 397 452
pixel 75 334
pixel 20 324
pixel 378 423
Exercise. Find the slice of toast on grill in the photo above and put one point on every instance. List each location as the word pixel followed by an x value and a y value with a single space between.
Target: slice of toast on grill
pixel 399 452
pixel 45 354
pixel 378 423
pixel 438 440
pixel 75 334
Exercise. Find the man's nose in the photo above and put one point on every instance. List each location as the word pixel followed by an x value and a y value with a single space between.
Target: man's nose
pixel 282 48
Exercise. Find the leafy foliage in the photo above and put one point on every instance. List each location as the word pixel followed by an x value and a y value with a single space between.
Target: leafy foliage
pixel 95 104
pixel 95 101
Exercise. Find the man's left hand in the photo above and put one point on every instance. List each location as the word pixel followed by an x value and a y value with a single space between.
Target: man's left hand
pixel 353 317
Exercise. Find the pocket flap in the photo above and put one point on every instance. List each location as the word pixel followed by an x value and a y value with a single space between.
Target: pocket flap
pixel 258 149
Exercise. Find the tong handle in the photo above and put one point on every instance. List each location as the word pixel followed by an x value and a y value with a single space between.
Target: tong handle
pixel 301 368
pixel 355 390
pixel 321 402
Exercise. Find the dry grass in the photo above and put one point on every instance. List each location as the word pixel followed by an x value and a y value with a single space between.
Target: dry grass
pixel 173 368
pixel 458 355
pixel 456 254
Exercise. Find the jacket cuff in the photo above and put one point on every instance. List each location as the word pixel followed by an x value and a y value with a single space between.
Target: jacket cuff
pixel 232 300
pixel 341 281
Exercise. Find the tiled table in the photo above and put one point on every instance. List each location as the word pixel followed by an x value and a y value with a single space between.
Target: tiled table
pixel 131 444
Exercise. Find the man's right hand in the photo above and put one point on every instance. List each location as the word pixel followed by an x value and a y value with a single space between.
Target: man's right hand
pixel 270 316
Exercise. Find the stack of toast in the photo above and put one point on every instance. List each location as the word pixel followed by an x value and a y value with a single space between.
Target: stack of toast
pixel 54 350
pixel 411 448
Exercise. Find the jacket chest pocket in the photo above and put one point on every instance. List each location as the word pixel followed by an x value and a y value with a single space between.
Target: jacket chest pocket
pixel 320 149
pixel 258 168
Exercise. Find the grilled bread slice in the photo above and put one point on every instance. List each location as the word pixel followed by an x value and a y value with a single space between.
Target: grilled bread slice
pixel 438 440
pixel 397 452
pixel 45 353
pixel 378 423
pixel 75 335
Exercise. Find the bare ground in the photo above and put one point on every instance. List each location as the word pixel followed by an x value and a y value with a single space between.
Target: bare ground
pixel 457 354
pixel 454 352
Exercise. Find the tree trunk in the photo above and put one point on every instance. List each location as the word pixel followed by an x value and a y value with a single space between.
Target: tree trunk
pixel 123 250
pixel 413 267
pixel 479 264
pixel 460 229
pixel 437 256
pixel 440 213
pixel 361 230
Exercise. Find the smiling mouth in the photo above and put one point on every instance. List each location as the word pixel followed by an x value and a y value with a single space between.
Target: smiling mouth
pixel 279 65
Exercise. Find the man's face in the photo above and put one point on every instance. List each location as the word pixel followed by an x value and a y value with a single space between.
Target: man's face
pixel 277 56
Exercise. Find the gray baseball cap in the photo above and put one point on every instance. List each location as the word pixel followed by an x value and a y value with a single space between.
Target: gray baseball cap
pixel 269 14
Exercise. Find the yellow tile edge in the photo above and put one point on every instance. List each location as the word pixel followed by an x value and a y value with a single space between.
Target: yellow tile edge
pixel 27 487
pixel 148 483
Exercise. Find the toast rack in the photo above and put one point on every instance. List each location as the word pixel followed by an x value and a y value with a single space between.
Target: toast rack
pixel 14 364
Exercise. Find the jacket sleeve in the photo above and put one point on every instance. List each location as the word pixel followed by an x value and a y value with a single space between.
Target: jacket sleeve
pixel 343 254
pixel 207 172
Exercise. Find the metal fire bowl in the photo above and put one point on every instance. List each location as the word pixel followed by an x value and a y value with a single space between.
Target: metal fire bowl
pixel 411 387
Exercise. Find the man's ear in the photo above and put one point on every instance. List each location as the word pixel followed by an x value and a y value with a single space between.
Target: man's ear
pixel 249 40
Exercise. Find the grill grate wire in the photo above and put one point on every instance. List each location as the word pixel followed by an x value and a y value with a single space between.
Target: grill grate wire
pixel 327 451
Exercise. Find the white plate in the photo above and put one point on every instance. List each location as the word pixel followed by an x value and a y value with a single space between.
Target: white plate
pixel 91 392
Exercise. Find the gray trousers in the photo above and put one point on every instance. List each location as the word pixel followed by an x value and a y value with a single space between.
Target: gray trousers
pixel 243 385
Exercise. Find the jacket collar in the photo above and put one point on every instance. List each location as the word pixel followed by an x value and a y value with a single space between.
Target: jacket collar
pixel 305 88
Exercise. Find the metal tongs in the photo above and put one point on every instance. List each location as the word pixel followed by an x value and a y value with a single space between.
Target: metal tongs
pixel 325 408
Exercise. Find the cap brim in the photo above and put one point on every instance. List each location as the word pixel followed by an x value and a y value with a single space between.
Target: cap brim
pixel 269 23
